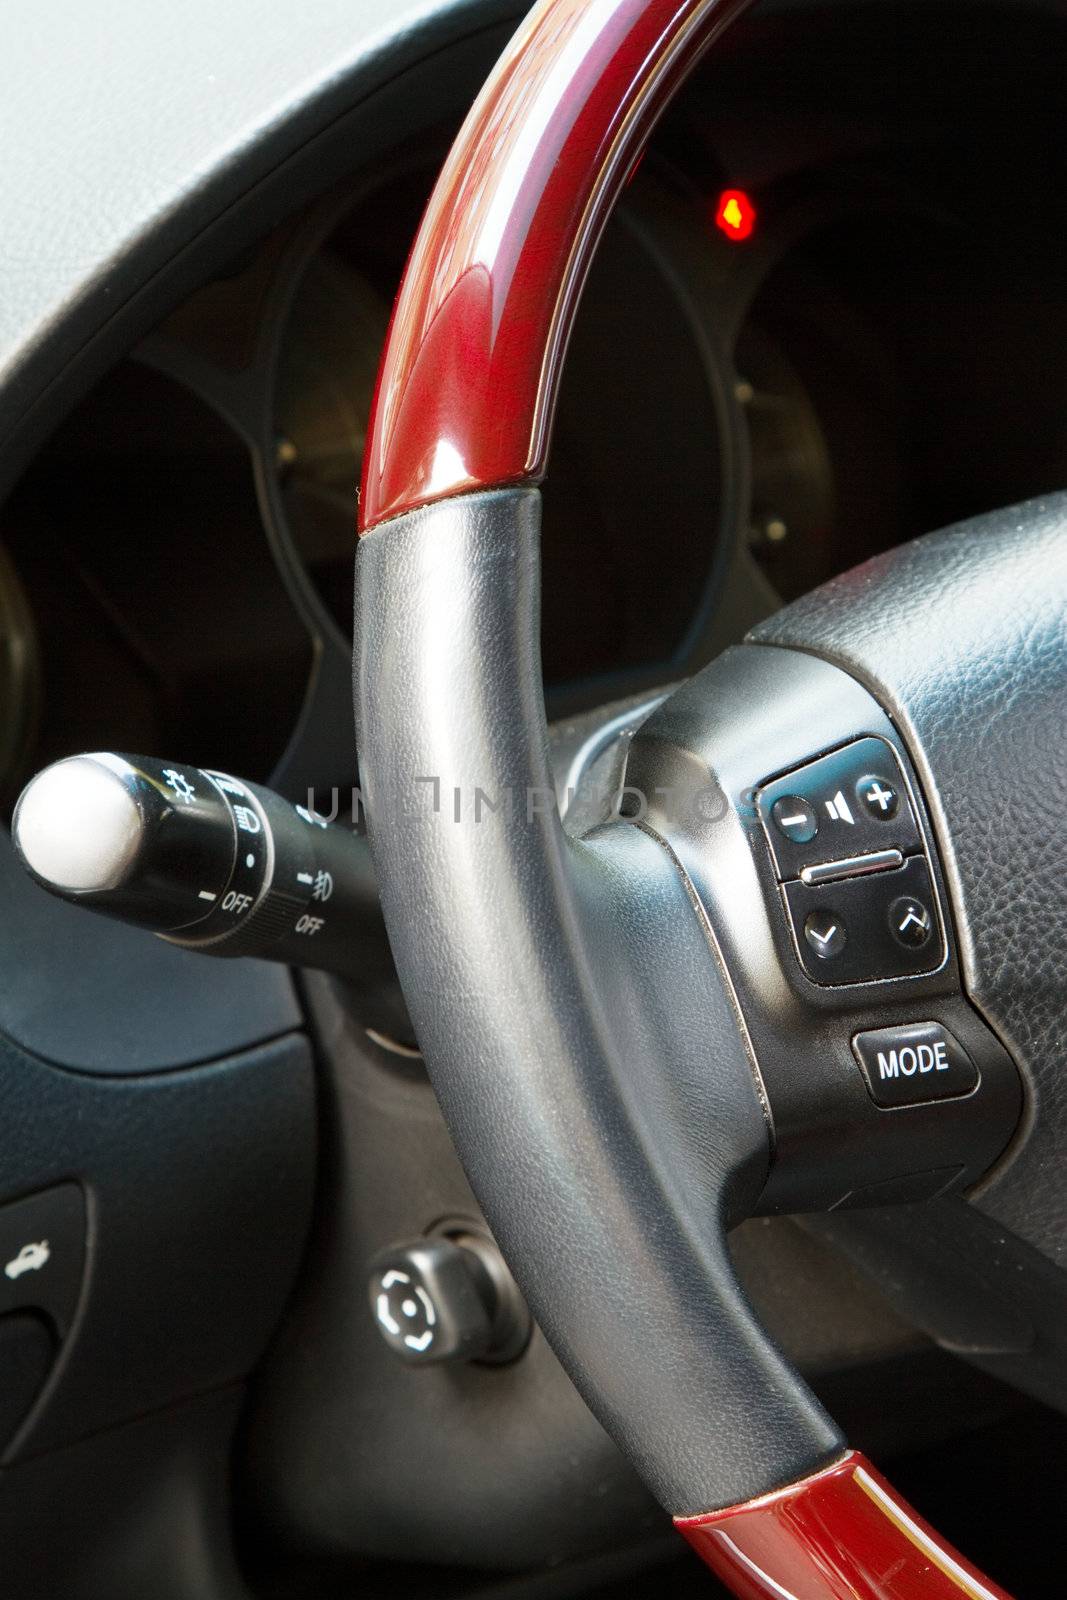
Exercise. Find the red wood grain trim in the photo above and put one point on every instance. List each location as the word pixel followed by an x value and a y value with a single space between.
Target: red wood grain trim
pixel 842 1534
pixel 471 366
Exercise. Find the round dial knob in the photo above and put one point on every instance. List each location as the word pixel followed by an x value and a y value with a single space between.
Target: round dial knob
pixel 448 1299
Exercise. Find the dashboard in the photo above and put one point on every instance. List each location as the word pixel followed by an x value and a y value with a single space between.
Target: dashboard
pixel 775 374
pixel 745 412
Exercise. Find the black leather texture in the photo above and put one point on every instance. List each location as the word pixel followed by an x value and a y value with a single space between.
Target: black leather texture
pixel 962 636
pixel 579 1034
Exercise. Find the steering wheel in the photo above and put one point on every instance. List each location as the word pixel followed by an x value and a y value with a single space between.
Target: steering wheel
pixel 819 962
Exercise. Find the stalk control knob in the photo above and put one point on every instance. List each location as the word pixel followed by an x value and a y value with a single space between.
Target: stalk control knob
pixel 206 860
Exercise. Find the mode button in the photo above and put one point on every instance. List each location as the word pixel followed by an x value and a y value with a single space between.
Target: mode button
pixel 910 1065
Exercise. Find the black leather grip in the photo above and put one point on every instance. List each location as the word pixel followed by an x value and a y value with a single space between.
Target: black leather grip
pixel 579 1032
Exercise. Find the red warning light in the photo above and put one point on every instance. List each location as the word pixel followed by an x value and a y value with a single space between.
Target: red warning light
pixel 735 215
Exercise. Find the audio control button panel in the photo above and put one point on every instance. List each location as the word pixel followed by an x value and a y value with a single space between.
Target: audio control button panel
pixel 829 907
pixel 851 867
pixel 847 804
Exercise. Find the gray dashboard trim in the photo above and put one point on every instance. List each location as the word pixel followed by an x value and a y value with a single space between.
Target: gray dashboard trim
pixel 130 130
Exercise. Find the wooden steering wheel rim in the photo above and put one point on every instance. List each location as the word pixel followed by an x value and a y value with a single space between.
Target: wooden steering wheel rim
pixel 471 367
pixel 465 399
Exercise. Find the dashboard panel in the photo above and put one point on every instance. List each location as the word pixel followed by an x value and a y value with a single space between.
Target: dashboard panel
pixel 741 417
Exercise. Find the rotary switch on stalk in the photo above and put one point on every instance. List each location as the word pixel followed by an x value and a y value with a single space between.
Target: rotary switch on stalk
pixel 205 860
